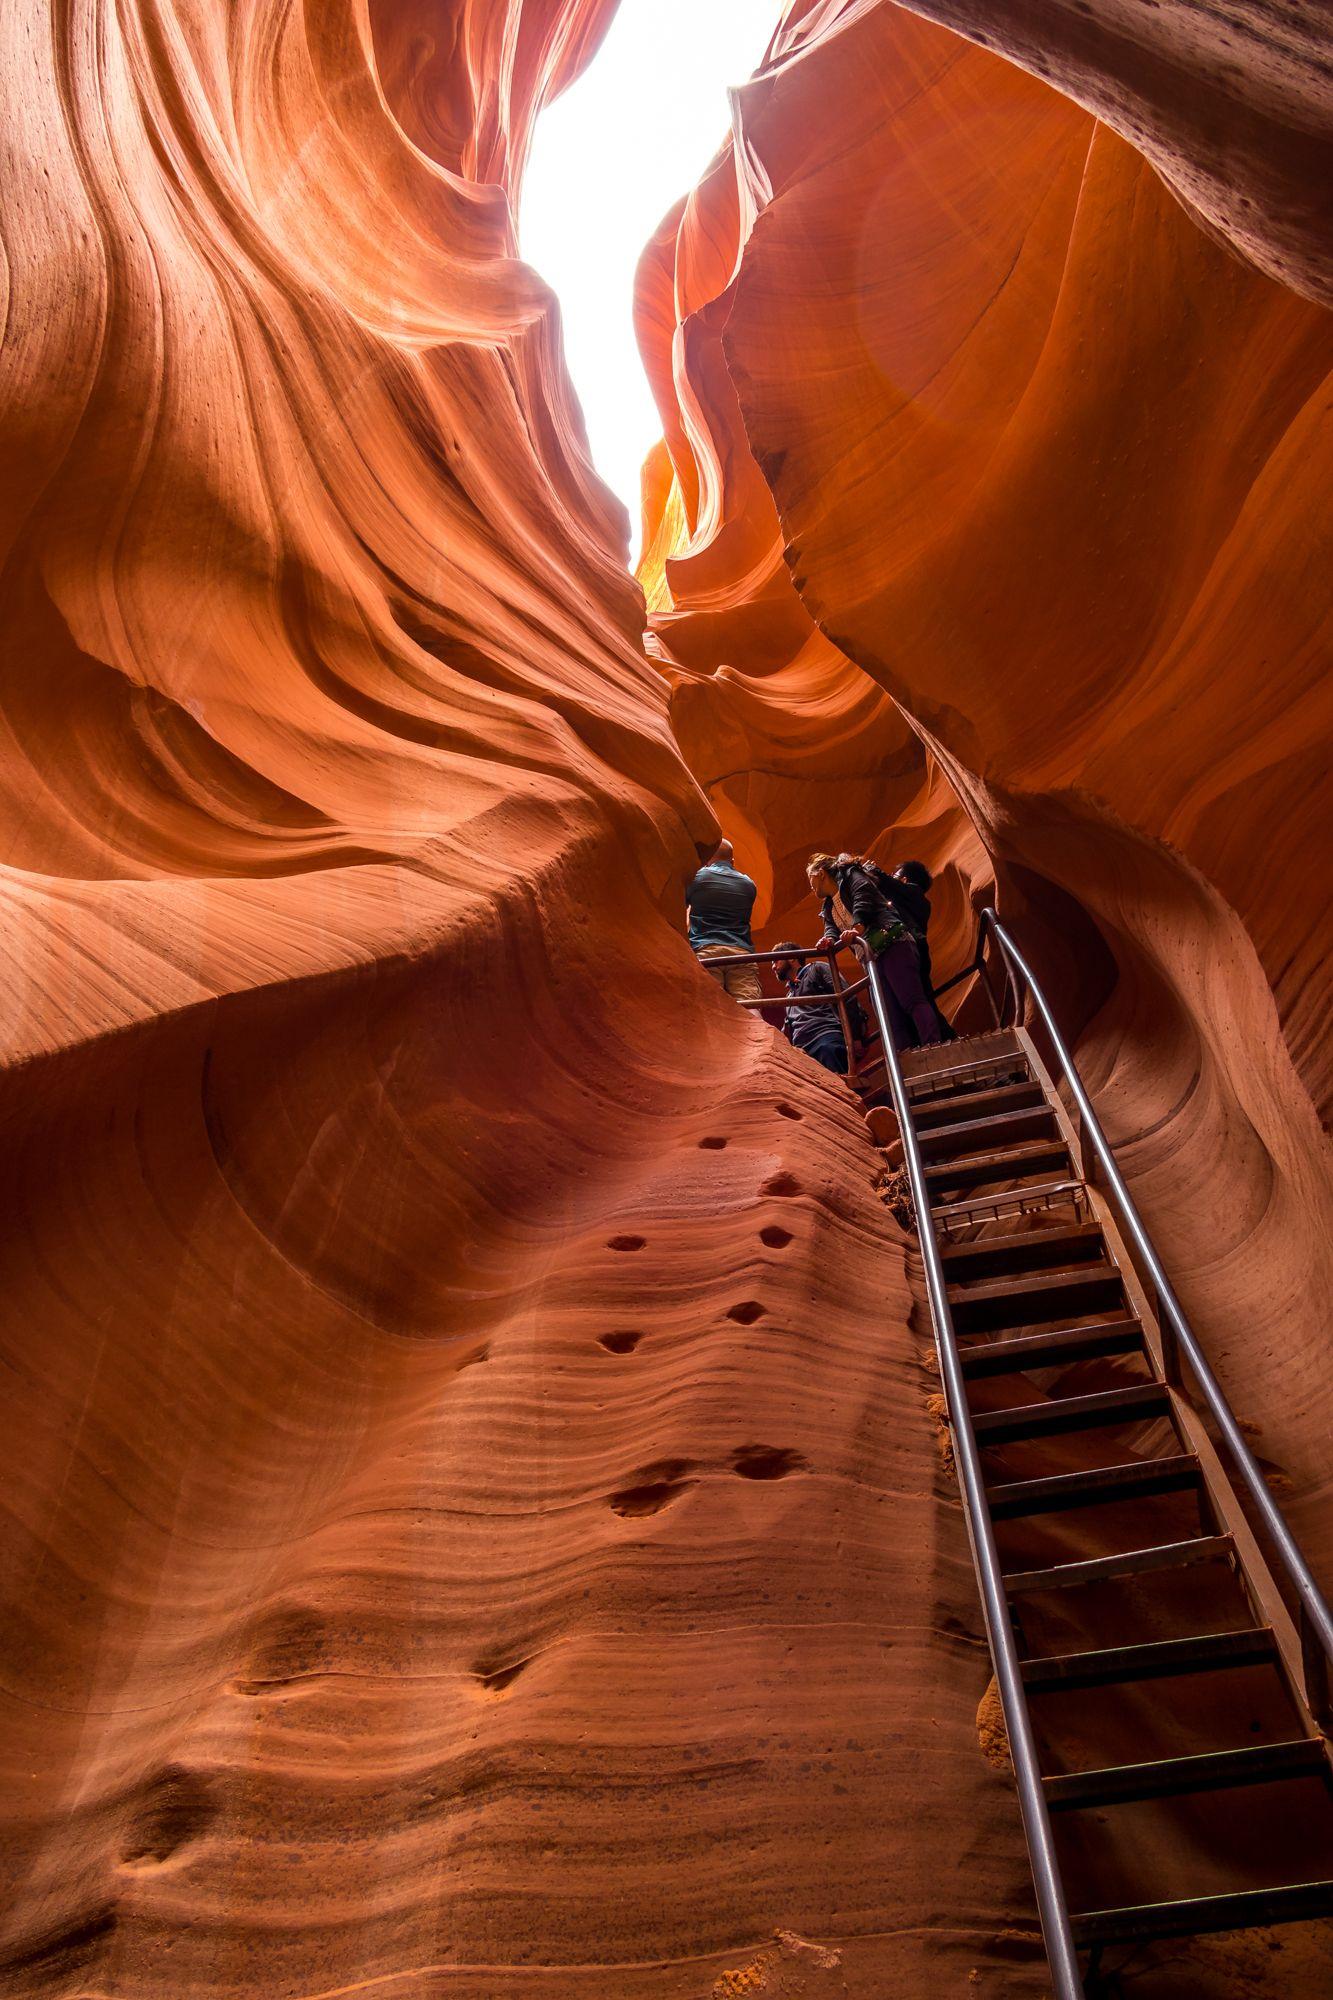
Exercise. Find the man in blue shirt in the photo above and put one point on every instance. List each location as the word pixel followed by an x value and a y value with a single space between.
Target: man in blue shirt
pixel 720 900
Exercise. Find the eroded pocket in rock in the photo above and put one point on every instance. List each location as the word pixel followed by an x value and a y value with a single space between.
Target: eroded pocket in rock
pixel 619 1343
pixel 653 1488
pixel 767 1461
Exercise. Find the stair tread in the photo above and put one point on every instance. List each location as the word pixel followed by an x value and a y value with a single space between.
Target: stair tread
pixel 999 1125
pixel 1207 1771
pixel 1154 1659
pixel 1131 1562
pixel 1045 1350
pixel 1029 1150
pixel 1017 1283
pixel 1001 1094
pixel 968 1213
pixel 1193 1916
pixel 1134 1400
pixel 1021 1240
pixel 1104 1482
pixel 969 1054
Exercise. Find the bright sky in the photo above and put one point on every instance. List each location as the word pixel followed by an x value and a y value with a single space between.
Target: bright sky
pixel 608 160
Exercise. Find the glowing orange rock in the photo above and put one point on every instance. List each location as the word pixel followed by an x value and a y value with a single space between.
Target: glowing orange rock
pixel 458 1366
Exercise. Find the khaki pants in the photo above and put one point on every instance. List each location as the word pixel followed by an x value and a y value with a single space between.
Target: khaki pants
pixel 740 981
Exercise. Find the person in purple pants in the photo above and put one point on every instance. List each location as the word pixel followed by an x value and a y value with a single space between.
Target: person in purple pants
pixel 856 908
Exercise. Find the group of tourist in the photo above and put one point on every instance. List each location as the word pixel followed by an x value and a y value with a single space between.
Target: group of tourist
pixel 884 916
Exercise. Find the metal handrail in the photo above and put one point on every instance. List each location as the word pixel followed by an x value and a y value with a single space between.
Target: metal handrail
pixel 1316 1621
pixel 1051 1905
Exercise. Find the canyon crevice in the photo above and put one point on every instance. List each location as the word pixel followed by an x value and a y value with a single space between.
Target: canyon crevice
pixel 475 1523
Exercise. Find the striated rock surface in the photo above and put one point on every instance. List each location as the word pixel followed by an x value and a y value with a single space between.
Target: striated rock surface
pixel 1232 104
pixel 471 1523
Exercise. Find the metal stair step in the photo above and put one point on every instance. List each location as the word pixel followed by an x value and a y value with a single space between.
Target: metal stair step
pixel 986 1134
pixel 928 1112
pixel 974 1169
pixel 974 1056
pixel 1023 1250
pixel 1194 1916
pixel 1009 1204
pixel 1167 1777
pixel 1074 1413
pixel 1016 1301
pixel 1159 1659
pixel 1097 1488
pixel 1109 1569
pixel 1049 1350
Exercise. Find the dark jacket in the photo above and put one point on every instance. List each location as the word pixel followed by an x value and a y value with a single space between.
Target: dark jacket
pixel 913 906
pixel 863 896
pixel 804 1026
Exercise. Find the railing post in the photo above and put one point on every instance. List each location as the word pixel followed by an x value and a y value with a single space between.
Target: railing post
pixel 1314 1666
pixel 1170 1343
pixel 983 971
pixel 1087 1152
pixel 1061 1953
pixel 997 1007
pixel 843 1015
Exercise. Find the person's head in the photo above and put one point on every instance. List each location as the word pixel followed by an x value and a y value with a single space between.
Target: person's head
pixel 723 857
pixel 787 968
pixel 819 874
pixel 915 874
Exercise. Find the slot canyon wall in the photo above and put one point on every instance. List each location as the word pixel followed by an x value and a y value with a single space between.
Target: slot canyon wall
pixel 474 1524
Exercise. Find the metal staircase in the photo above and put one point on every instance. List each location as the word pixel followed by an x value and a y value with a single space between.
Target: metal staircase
pixel 1122 1530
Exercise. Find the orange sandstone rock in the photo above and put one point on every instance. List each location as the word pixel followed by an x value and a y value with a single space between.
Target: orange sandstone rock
pixel 470 1524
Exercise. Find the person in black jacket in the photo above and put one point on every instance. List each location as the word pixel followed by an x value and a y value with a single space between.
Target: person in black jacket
pixel 857 905
pixel 907 889
pixel 817 1031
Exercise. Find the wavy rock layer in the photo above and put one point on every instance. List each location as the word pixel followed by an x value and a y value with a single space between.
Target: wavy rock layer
pixel 472 1511
pixel 1232 105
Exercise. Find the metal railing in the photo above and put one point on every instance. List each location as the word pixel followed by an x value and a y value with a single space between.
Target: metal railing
pixel 1051 1905
pixel 842 993
pixel 1178 1337
pixel 1179 1342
